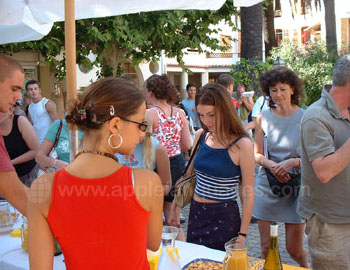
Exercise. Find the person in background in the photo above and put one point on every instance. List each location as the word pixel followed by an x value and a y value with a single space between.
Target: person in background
pixel 277 148
pixel 42 111
pixel 11 83
pixel 227 81
pixel 27 100
pixel 150 154
pixel 119 215
pixel 224 157
pixel 325 173
pixel 18 111
pixel 189 105
pixel 260 105
pixel 245 104
pixel 171 128
pixel 21 143
pixel 63 147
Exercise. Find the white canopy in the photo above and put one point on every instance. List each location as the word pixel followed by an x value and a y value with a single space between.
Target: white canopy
pixel 245 3
pixel 25 20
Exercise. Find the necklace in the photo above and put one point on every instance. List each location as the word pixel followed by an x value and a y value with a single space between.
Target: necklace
pixel 167 117
pixel 99 153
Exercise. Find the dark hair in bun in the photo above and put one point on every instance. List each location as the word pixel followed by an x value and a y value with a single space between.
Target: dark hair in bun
pixel 162 88
pixel 103 100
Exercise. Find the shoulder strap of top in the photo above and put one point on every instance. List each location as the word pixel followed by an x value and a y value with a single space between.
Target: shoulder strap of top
pixel 262 105
pixel 132 178
pixel 234 142
pixel 157 111
pixel 45 101
pixel 15 127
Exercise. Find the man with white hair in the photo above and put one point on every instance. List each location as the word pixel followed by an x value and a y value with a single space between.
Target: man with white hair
pixel 325 173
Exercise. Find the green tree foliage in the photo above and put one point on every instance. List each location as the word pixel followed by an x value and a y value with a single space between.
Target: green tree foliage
pixel 248 71
pixel 312 62
pixel 137 37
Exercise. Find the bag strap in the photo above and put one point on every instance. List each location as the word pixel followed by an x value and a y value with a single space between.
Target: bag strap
pixel 194 152
pixel 58 134
pixel 262 105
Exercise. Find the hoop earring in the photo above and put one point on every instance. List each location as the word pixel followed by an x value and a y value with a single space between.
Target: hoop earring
pixel 110 143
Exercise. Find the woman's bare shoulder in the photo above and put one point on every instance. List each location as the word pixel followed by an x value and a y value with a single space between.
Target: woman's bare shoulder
pixel 244 144
pixel 40 192
pixel 146 176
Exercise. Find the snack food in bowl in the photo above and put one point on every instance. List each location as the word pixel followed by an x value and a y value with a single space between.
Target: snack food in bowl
pixel 203 264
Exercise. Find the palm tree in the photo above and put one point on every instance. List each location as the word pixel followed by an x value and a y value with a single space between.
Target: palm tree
pixel 251 31
pixel 269 27
pixel 331 35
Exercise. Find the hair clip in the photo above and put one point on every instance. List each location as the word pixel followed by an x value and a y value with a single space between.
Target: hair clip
pixel 82 113
pixel 111 110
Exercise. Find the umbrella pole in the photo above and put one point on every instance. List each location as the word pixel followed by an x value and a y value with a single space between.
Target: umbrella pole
pixel 71 76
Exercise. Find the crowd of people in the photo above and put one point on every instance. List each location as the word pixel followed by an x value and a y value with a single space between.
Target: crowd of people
pixel 134 145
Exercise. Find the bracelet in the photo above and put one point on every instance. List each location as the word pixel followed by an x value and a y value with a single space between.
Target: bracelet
pixel 242 234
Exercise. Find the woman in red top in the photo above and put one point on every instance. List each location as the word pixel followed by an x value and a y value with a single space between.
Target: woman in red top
pixel 103 215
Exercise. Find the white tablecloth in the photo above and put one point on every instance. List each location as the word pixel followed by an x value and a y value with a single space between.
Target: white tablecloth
pixel 13 257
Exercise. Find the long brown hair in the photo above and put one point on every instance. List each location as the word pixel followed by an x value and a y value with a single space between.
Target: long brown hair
pixel 228 123
pixel 93 107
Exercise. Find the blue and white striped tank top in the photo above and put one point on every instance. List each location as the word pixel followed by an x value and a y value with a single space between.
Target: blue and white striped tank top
pixel 217 175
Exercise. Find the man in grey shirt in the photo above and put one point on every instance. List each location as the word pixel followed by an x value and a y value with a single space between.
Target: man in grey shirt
pixel 325 191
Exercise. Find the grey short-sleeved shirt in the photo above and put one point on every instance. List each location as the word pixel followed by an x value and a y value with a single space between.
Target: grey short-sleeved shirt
pixel 323 130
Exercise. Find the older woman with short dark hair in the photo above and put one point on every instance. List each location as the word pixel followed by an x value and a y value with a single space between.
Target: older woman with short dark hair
pixel 276 147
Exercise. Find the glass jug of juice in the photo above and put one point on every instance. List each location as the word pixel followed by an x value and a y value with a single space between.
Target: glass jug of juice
pixel 6 222
pixel 236 257
pixel 169 259
pixel 24 234
pixel 153 258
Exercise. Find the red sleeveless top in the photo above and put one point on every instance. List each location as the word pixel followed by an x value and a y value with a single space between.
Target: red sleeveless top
pixel 99 223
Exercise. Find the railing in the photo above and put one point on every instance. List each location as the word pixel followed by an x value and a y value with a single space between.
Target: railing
pixel 222 55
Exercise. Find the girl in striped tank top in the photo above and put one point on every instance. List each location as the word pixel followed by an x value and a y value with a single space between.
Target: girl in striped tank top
pixel 224 161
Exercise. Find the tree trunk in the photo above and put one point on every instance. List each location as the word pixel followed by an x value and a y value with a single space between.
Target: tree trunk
pixel 251 29
pixel 112 57
pixel 331 34
pixel 269 28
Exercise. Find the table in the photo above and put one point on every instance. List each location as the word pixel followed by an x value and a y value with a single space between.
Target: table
pixel 13 257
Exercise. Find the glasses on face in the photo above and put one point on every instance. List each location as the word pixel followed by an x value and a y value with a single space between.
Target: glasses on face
pixel 142 126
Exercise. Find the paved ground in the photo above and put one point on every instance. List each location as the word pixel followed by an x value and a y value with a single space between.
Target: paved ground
pixel 254 240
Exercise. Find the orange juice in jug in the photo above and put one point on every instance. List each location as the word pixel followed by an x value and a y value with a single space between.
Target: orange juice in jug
pixel 236 256
pixel 153 258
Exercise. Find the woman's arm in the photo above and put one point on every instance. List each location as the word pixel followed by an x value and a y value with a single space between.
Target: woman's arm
pixel 41 241
pixel 185 133
pixel 152 201
pixel 259 146
pixel 247 165
pixel 42 156
pixel 280 173
pixel 163 168
pixel 30 138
